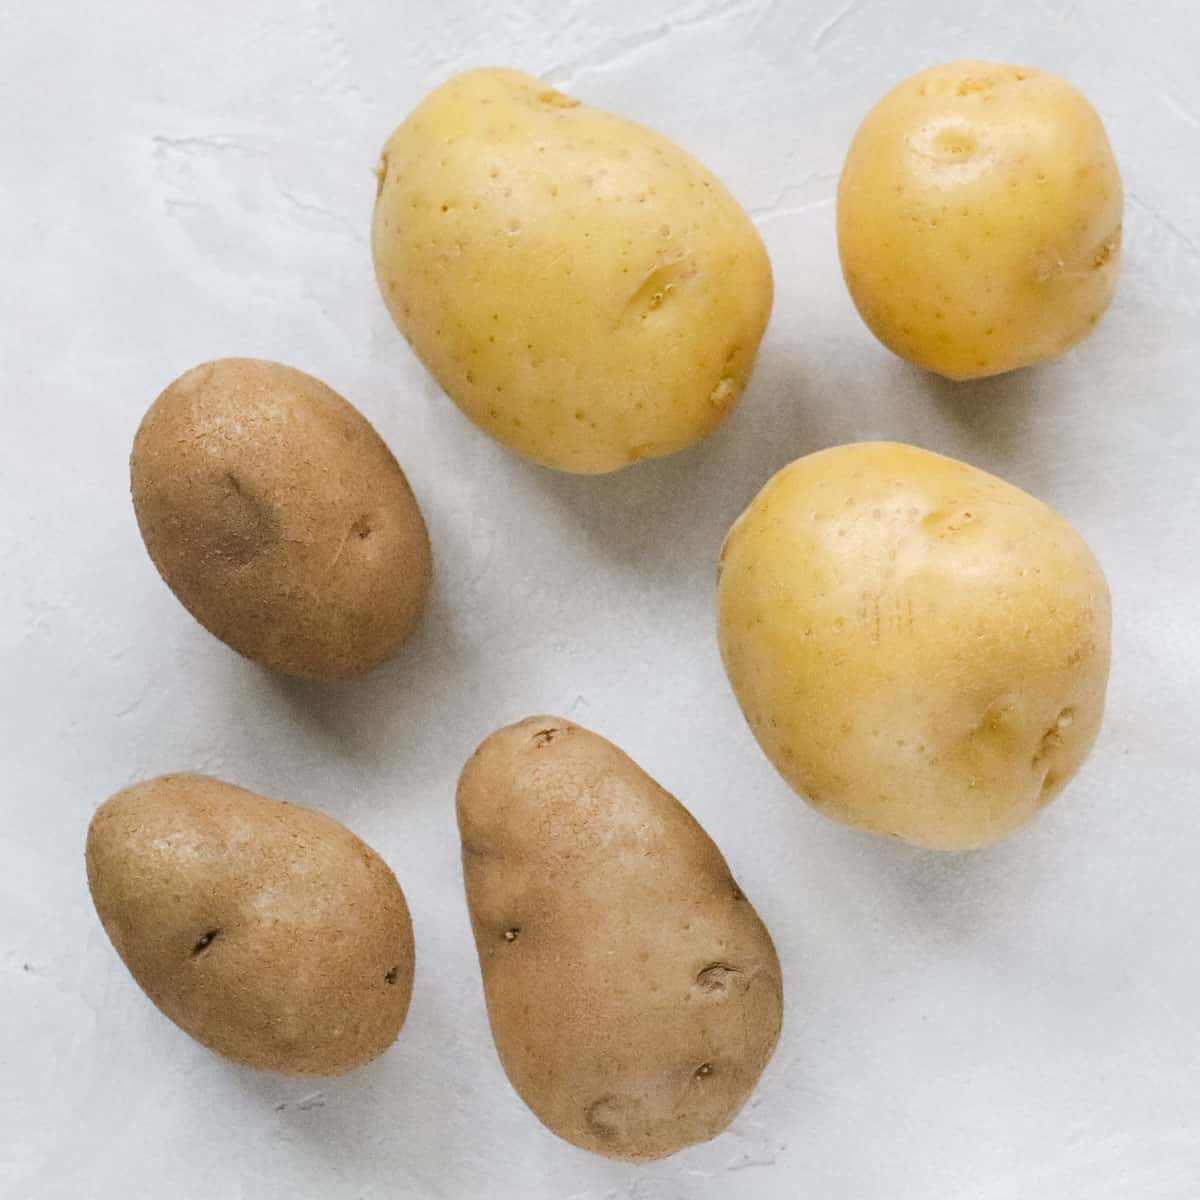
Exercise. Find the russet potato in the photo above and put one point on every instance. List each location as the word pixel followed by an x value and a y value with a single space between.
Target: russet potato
pixel 280 519
pixel 268 932
pixel 633 993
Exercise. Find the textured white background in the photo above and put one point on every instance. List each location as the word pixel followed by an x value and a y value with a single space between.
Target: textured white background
pixel 185 181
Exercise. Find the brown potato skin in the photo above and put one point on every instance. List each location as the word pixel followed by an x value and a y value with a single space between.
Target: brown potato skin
pixel 633 993
pixel 268 932
pixel 280 519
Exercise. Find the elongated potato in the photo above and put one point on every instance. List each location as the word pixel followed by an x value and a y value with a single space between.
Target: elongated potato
pixel 634 994
pixel 920 648
pixel 584 290
pixel 268 932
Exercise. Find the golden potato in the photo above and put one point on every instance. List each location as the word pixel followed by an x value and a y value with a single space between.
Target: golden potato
pixel 920 648
pixel 979 219
pixel 278 517
pixel 268 932
pixel 585 291
pixel 633 993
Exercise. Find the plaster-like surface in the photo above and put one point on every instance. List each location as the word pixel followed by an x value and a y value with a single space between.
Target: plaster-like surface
pixel 184 181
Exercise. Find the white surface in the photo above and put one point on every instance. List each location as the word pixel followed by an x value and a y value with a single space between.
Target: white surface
pixel 184 181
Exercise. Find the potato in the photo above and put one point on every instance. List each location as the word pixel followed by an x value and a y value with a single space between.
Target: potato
pixel 979 219
pixel 279 518
pixel 585 291
pixel 633 993
pixel 920 648
pixel 268 932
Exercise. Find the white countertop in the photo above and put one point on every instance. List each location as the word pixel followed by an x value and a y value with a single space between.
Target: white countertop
pixel 187 181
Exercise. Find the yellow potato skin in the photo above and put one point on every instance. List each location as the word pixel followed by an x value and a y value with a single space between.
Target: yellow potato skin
pixel 920 648
pixel 584 290
pixel 979 219
pixel 633 993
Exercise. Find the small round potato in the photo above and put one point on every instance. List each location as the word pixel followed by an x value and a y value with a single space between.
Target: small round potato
pixel 268 932
pixel 634 994
pixel 979 219
pixel 278 517
pixel 920 648
pixel 584 290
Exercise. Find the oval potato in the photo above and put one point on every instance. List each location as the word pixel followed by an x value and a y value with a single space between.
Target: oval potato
pixel 920 648
pixel 979 218
pixel 584 290
pixel 268 932
pixel 634 995
pixel 278 517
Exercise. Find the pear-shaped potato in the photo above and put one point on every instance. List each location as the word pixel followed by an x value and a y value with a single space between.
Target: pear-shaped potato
pixel 278 517
pixel 268 932
pixel 585 291
pixel 634 995
pixel 920 648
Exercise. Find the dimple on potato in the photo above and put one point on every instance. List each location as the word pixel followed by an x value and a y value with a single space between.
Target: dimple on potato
pixel 633 993
pixel 920 648
pixel 280 519
pixel 979 218
pixel 584 290
pixel 268 932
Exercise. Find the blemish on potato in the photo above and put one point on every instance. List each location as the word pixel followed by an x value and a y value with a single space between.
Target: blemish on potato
pixel 604 1117
pixel 724 392
pixel 717 977
pixel 1107 249
pixel 556 99
pixel 1049 784
pixel 204 941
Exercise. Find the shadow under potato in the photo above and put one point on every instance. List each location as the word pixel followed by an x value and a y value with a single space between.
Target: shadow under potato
pixel 991 423
pixel 388 714
pixel 677 510
pixel 933 897
pixel 393 1112
pixel 674 511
